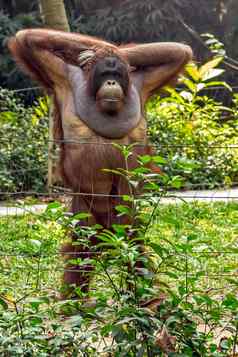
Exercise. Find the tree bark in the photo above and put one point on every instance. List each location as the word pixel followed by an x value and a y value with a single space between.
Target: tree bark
pixel 54 15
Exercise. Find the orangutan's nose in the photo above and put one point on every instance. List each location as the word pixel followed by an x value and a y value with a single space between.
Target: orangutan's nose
pixel 111 82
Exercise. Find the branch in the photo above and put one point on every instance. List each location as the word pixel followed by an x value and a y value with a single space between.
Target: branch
pixel 197 37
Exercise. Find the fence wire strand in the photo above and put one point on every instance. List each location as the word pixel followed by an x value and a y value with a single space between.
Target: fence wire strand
pixel 87 141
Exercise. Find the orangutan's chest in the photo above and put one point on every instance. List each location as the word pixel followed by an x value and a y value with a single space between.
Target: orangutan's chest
pixel 105 125
pixel 75 130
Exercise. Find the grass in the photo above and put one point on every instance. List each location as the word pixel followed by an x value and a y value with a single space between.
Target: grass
pixel 199 244
pixel 29 258
pixel 202 243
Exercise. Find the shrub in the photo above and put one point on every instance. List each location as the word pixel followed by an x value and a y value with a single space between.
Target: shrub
pixel 23 149
pixel 197 134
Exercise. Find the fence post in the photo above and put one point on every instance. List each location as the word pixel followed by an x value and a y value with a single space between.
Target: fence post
pixel 50 147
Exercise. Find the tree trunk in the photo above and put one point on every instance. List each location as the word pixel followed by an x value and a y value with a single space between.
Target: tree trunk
pixel 54 15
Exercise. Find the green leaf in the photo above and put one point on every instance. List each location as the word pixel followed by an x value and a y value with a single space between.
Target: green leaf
pixel 36 320
pixel 193 71
pixel 189 84
pixel 127 198
pixel 35 302
pixel 81 215
pixel 209 66
pixel 53 205
pixel 159 160
pixel 231 302
pixel 158 249
pixel 145 159
pixel 120 228
pixel 176 182
pixel 171 275
pixel 212 73
pixel 219 83
pixel 141 170
pixel 3 304
pixel 106 329
pixel 116 172
pixel 123 209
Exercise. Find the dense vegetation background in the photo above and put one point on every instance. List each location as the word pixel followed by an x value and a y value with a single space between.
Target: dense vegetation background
pixel 129 21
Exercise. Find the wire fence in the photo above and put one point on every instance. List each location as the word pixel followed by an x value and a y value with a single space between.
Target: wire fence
pixel 29 259
pixel 212 265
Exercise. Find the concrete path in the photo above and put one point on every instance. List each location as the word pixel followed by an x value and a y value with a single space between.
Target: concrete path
pixel 16 211
pixel 172 197
pixel 202 195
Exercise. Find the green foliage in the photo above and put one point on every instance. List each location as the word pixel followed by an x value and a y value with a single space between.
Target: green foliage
pixel 10 74
pixel 162 299
pixel 197 134
pixel 176 303
pixel 129 21
pixel 23 148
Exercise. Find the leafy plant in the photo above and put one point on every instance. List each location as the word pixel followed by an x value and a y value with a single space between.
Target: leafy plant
pixel 151 301
pixel 175 305
pixel 23 148
pixel 196 134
